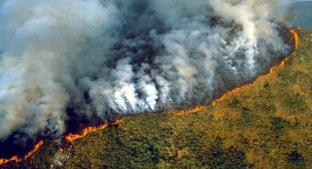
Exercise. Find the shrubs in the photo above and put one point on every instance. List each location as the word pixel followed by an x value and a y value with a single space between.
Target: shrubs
pixel 295 103
pixel 279 124
pixel 219 158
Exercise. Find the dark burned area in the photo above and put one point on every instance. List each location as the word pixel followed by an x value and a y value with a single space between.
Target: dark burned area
pixel 14 146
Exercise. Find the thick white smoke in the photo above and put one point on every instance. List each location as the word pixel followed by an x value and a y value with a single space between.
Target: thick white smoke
pixel 95 58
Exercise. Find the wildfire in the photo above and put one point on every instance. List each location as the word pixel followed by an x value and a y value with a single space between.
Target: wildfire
pixel 71 137
pixel 201 108
pixel 35 149
pixel 235 90
pixel 296 38
pixel 191 110
pixel 20 159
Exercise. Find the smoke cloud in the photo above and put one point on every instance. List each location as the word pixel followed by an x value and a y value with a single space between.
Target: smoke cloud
pixel 94 59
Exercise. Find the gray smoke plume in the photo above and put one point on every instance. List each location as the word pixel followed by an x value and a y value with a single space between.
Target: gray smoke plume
pixel 120 57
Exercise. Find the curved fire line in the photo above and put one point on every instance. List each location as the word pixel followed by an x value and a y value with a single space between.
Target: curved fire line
pixel 20 159
pixel 74 136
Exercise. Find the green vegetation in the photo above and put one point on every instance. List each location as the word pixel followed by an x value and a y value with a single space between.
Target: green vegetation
pixel 265 125
pixel 280 124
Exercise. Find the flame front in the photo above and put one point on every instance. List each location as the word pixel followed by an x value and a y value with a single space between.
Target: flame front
pixel 273 69
pixel 18 159
pixel 296 38
pixel 191 110
pixel 71 137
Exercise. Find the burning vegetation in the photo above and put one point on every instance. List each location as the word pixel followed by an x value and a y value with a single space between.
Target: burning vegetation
pixel 62 69
pixel 71 136
pixel 265 124
pixel 17 159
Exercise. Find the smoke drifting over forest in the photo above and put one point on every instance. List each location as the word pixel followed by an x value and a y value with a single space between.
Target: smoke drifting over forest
pixel 91 59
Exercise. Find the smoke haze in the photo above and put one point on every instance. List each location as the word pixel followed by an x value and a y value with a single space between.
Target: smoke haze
pixel 65 60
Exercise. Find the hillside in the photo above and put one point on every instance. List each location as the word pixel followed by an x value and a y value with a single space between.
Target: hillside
pixel 267 124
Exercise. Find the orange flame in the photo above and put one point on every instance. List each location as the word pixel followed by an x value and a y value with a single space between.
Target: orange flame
pixel 191 110
pixel 35 149
pixel 18 159
pixel 296 38
pixel 71 137
pixel 235 90
pixel 61 150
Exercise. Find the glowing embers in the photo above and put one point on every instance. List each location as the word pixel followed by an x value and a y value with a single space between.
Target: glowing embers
pixel 18 159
